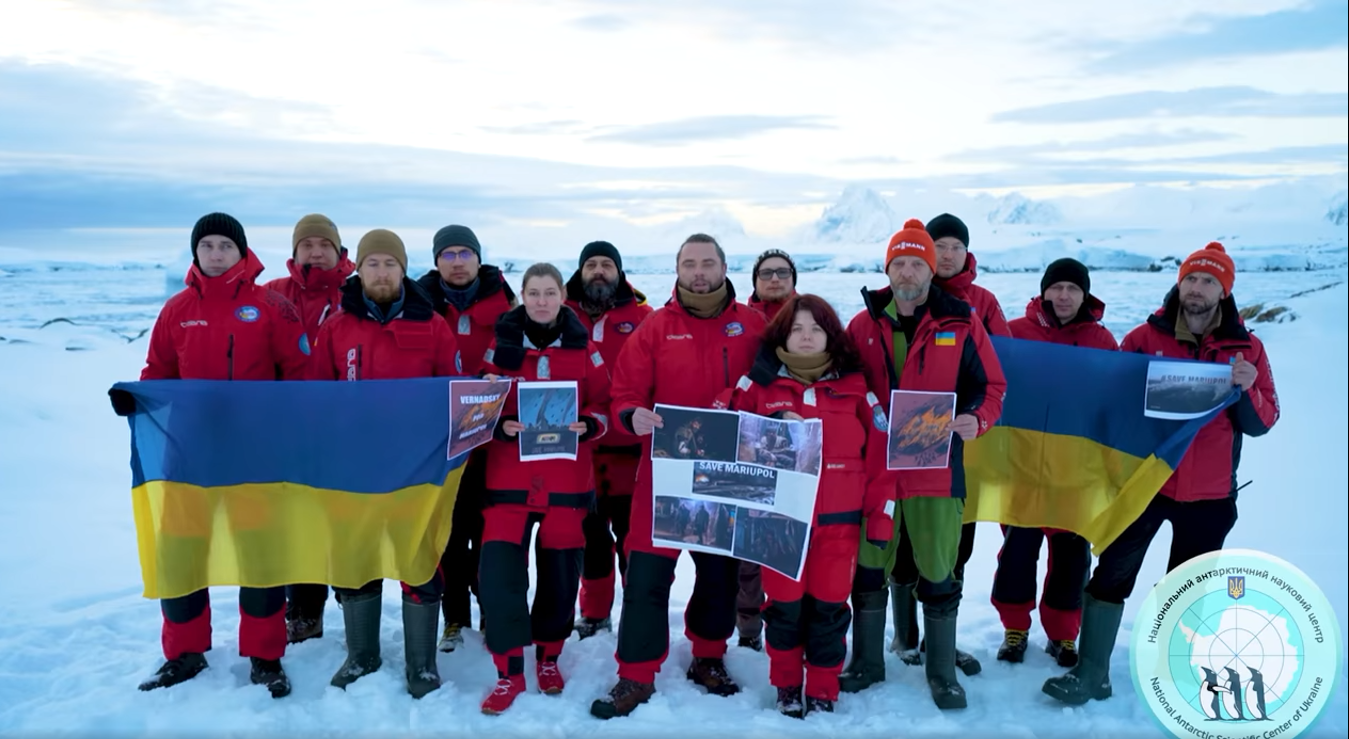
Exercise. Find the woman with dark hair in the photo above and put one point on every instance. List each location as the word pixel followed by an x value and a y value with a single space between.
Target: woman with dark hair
pixel 808 368
pixel 541 340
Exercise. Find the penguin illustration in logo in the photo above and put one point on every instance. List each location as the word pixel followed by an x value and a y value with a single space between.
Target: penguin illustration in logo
pixel 1232 698
pixel 1210 699
pixel 1255 696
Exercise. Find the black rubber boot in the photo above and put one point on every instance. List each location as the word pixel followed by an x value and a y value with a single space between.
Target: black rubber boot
pixel 940 664
pixel 360 613
pixel 420 621
pixel 904 613
pixel 867 666
pixel 1090 679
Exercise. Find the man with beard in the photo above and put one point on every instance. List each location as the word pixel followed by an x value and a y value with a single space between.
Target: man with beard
pixel 1198 320
pixel 471 296
pixel 686 353
pixel 318 265
pixel 611 310
pixel 914 336
pixel 774 276
pixel 955 273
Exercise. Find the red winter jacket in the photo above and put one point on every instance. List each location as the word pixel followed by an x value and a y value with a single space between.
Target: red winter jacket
pixel 983 302
pixel 963 362
pixel 227 328
pixel 555 482
pixel 768 308
pixel 355 345
pixel 1209 468
pixel 854 438
pixel 473 328
pixel 611 333
pixel 316 293
pixel 1040 324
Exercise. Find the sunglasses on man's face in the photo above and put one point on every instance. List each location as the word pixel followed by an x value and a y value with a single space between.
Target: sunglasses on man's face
pixel 782 273
pixel 462 256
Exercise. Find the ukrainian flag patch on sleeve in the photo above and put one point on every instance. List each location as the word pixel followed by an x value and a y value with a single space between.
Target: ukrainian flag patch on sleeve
pixel 946 338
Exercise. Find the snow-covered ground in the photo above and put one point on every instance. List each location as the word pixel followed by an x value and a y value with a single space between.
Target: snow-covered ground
pixel 76 637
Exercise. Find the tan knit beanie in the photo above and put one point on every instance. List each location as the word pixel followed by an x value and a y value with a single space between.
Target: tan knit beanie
pixel 382 241
pixel 315 224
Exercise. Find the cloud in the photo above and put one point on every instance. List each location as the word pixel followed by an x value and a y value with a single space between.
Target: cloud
pixel 708 128
pixel 1046 150
pixel 1321 25
pixel 603 23
pixel 542 128
pixel 1204 102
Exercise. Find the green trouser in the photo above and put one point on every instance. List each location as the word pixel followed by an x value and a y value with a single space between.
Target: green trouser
pixel 933 526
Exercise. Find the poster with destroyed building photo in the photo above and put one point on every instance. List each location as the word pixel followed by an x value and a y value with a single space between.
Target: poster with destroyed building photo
pixel 695 434
pixel 1179 391
pixel 792 446
pixel 698 525
pixel 772 540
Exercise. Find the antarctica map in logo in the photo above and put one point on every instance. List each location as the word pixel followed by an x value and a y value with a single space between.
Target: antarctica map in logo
pixel 1236 644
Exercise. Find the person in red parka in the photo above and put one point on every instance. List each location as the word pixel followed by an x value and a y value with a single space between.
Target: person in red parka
pixel 318 265
pixel 224 326
pixel 1199 320
pixel 387 330
pixel 685 354
pixel 914 336
pixel 471 296
pixel 1065 312
pixel 808 367
pixel 611 310
pixel 542 340
pixel 955 275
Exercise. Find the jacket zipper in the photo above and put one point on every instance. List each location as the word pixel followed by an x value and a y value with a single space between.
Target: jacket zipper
pixel 229 355
pixel 922 357
pixel 360 360
pixel 726 366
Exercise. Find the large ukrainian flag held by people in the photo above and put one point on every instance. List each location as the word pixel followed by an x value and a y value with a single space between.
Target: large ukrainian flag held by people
pixel 1073 449
pixel 270 483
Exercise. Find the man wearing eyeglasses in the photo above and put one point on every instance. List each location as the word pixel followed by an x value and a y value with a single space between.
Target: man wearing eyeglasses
pixel 471 296
pixel 774 282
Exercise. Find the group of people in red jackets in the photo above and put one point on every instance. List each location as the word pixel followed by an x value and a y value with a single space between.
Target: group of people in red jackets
pixel 780 354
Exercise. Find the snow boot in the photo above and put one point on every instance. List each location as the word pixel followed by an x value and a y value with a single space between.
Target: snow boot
pixel 622 699
pixel 904 611
pixel 1064 652
pixel 818 705
pixel 452 639
pixel 303 629
pixel 867 666
pixel 175 671
pixel 1090 679
pixel 503 695
pixel 752 642
pixel 588 627
pixel 268 673
pixel 789 702
pixel 419 645
pixel 1013 647
pixel 361 614
pixel 711 673
pixel 940 664
pixel 548 676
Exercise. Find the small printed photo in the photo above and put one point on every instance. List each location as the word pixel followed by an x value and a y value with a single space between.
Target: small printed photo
pixel 772 540
pixel 546 410
pixel 919 435
pixel 1180 391
pixel 791 446
pixel 733 481
pixel 698 523
pixel 695 434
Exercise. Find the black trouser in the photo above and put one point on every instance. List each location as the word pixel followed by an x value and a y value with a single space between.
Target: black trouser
pixel 709 618
pixel 601 545
pixel 460 560
pixel 305 601
pixel 1197 528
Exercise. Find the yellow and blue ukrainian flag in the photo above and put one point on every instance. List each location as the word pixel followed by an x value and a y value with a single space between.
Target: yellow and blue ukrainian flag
pixel 270 483
pixel 1073 449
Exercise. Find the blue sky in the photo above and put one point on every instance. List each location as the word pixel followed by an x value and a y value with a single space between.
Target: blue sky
pixel 125 113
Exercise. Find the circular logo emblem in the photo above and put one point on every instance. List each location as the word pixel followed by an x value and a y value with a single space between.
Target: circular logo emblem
pixel 1234 644
pixel 247 313
pixel 734 328
pixel 625 327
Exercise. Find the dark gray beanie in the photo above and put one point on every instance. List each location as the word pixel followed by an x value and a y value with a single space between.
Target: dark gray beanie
pixel 454 235
pixel 948 225
pixel 601 249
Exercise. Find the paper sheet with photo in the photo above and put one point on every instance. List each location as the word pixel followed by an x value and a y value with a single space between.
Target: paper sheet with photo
pixel 546 410
pixel 919 436
pixel 1179 391
pixel 475 408
pixel 735 484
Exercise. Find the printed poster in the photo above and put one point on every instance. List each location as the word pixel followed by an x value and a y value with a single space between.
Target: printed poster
pixel 919 438
pixel 735 484
pixel 475 408
pixel 546 410
pixel 1179 391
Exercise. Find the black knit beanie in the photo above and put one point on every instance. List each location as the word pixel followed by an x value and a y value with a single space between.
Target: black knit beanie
pixel 455 236
pixel 600 249
pixel 1066 270
pixel 948 225
pixel 219 224
pixel 780 254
